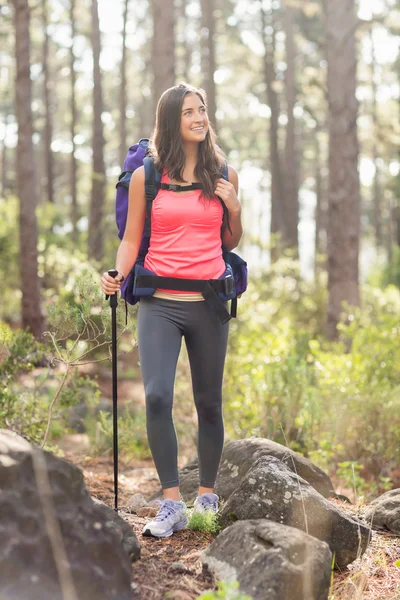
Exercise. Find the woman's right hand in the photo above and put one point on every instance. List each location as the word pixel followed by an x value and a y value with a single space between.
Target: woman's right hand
pixel 111 285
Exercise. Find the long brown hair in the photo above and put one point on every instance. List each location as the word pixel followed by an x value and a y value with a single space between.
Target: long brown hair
pixel 167 147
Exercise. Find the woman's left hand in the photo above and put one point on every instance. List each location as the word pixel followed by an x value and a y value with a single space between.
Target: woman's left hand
pixel 226 191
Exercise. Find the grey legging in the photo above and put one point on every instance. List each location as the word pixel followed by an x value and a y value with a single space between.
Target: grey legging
pixel 161 325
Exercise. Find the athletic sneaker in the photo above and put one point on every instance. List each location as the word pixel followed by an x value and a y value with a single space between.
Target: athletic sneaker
pixel 206 502
pixel 170 518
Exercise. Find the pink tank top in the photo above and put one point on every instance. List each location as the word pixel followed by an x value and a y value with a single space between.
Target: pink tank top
pixel 185 236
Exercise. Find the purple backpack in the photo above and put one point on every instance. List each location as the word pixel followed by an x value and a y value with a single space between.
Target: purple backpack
pixel 139 155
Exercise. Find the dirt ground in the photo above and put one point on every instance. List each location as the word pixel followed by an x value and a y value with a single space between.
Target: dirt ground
pixel 170 569
pixel 156 573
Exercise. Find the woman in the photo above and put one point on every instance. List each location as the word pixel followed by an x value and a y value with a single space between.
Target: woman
pixel 185 243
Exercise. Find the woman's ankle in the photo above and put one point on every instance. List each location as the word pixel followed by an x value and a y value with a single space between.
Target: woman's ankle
pixel 205 490
pixel 172 494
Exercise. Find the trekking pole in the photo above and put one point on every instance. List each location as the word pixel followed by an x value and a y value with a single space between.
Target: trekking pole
pixel 114 304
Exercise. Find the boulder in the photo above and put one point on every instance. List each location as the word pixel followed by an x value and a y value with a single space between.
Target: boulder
pixel 271 490
pixel 271 561
pixel 57 543
pixel 122 530
pixel 239 456
pixel 384 511
pixel 136 502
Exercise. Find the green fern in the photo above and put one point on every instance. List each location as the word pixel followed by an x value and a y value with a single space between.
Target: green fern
pixel 226 591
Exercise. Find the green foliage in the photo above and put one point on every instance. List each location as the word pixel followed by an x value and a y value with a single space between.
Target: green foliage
pixel 226 591
pixel 39 406
pixel 19 354
pixel 349 473
pixel 391 272
pixel 80 325
pixel 268 387
pixel 207 521
pixel 28 387
pixel 79 390
pixel 20 350
pixel 10 293
pixel 333 402
pixel 132 438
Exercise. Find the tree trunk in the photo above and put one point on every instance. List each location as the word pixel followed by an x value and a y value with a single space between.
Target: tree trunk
pixel 163 51
pixel 208 65
pixel 277 222
pixel 48 131
pixel 186 45
pixel 99 174
pixel 74 117
pixel 344 183
pixel 32 317
pixel 291 199
pixel 389 239
pixel 123 94
pixel 376 190
pixel 4 161
pixel 320 209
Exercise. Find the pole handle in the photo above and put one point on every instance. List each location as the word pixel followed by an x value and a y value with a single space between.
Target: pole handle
pixel 113 273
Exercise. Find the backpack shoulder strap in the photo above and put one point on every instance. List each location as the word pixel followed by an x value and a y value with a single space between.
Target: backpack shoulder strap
pixel 225 175
pixel 151 186
pixel 225 172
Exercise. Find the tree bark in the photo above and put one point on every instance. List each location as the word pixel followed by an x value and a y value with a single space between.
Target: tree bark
pixel 277 192
pixel 320 209
pixel 4 162
pixel 32 317
pixel 291 198
pixel 74 118
pixel 123 93
pixel 376 190
pixel 344 184
pixel 208 63
pixel 187 46
pixel 163 50
pixel 48 131
pixel 99 175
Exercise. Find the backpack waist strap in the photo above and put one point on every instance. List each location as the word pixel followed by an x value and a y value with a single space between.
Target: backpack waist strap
pixel 210 288
pixel 220 286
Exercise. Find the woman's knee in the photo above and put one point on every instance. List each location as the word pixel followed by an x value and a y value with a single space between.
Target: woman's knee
pixel 209 406
pixel 158 402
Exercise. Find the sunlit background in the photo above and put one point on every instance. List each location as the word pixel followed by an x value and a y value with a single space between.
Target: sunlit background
pixel 239 100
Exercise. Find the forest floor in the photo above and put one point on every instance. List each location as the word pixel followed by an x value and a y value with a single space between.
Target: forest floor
pixel 155 576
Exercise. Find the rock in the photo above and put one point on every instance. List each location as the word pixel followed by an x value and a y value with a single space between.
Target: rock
pixel 239 456
pixel 125 533
pixel 271 561
pixel 136 501
pixel 385 511
pixel 147 511
pixel 40 493
pixel 178 567
pixel 272 491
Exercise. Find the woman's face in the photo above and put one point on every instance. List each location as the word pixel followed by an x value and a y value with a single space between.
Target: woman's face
pixel 194 119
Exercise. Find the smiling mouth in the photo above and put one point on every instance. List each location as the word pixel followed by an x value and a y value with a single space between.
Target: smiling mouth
pixel 197 128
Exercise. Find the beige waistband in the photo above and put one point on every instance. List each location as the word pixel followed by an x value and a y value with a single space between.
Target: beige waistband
pixel 182 297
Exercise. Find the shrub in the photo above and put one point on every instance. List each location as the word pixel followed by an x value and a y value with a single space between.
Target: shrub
pixel 334 402
pixel 132 438
pixel 207 521
pixel 226 591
